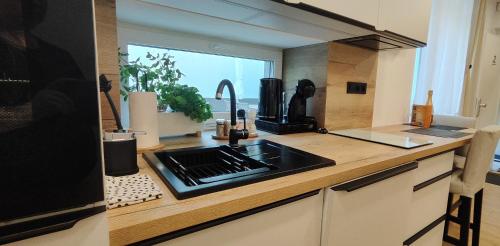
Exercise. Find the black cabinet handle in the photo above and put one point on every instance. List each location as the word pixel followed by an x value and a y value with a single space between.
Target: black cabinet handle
pixel 432 181
pixel 372 179
pixel 424 231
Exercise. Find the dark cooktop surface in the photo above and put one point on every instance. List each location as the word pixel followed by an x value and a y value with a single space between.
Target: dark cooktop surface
pixel 191 172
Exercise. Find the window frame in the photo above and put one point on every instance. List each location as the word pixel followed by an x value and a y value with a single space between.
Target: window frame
pixel 132 34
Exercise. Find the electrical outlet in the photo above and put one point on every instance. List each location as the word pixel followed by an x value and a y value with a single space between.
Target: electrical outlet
pixel 356 87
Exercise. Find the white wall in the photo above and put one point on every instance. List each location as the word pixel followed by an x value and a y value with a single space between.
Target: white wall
pixel 394 87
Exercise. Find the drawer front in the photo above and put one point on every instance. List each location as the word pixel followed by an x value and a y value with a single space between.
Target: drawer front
pixel 433 237
pixel 295 224
pixel 429 168
pixel 369 211
pixel 428 203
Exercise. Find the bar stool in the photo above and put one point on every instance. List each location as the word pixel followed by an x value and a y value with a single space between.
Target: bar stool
pixel 468 183
pixel 456 121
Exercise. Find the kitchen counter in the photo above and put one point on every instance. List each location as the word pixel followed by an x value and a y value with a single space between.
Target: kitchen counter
pixel 354 159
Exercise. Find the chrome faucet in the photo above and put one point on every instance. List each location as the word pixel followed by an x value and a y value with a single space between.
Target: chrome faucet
pixel 234 134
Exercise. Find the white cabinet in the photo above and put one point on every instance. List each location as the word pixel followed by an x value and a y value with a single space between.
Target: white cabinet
pixel 409 18
pixel 403 205
pixel 429 200
pixel 362 10
pixel 372 210
pixel 294 224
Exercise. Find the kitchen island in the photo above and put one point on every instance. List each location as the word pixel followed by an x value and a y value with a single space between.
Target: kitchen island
pixel 354 159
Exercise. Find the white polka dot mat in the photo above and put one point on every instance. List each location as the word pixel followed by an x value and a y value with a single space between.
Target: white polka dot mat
pixel 132 189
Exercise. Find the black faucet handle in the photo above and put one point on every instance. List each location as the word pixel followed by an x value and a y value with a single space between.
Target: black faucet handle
pixel 242 115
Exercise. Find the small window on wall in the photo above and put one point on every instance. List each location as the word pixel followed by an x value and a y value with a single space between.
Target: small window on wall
pixel 205 71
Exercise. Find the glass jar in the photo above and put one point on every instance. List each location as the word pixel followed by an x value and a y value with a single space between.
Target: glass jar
pixel 219 128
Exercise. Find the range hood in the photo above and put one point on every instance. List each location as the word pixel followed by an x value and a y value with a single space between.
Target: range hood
pixel 383 41
pixel 275 23
pixel 375 40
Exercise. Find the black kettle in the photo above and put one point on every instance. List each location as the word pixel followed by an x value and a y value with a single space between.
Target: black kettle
pixel 271 102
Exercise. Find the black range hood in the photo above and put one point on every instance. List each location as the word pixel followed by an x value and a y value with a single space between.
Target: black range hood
pixel 383 41
pixel 376 40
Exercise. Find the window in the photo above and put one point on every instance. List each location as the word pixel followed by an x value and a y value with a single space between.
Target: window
pixel 205 71
pixel 440 66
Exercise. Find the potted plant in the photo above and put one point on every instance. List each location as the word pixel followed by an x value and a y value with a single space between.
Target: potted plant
pixel 180 108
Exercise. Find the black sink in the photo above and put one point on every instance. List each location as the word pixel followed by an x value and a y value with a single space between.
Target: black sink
pixel 195 171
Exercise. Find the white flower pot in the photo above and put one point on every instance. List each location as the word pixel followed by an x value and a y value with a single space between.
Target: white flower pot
pixel 144 117
pixel 176 124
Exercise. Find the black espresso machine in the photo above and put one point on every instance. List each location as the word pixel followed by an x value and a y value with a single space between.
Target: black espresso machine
pixel 271 114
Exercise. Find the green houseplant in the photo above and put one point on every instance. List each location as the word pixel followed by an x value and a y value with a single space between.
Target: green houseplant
pixel 159 75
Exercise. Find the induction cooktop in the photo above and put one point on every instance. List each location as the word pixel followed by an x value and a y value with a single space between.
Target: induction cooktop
pixel 382 138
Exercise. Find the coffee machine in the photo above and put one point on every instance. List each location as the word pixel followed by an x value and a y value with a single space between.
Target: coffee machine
pixel 271 113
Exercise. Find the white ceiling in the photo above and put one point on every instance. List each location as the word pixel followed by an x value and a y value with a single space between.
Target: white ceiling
pixel 230 19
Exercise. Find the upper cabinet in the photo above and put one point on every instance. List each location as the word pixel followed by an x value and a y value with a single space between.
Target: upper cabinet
pixel 408 18
pixel 362 10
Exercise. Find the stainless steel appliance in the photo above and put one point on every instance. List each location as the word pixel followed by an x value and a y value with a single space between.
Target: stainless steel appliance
pixel 51 177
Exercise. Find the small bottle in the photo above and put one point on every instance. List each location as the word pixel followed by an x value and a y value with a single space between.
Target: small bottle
pixel 429 98
pixel 227 127
pixel 252 114
pixel 428 110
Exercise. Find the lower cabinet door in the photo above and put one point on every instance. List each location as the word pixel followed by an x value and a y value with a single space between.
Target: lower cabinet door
pixel 294 224
pixel 369 211
pixel 428 204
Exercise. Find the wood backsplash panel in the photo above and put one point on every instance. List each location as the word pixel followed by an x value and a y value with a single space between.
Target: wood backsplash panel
pixel 349 63
pixel 107 48
pixel 107 43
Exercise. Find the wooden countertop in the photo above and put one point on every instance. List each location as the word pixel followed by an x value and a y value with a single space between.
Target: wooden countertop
pixel 354 158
